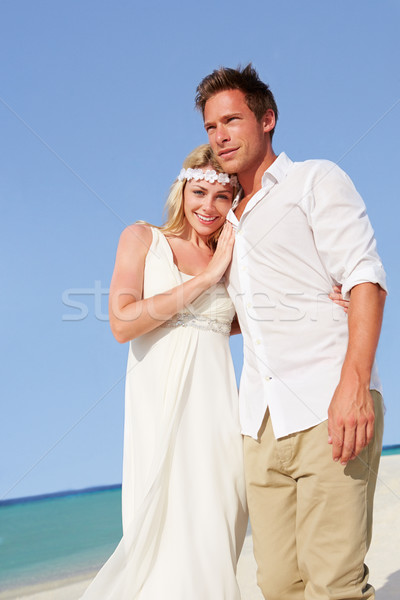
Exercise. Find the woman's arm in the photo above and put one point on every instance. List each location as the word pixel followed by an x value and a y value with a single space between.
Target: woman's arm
pixel 336 296
pixel 130 314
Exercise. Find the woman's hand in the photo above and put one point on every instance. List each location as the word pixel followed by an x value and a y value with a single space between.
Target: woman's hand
pixel 131 315
pixel 222 255
pixel 337 298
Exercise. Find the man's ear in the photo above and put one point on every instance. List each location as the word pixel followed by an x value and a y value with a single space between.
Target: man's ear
pixel 268 120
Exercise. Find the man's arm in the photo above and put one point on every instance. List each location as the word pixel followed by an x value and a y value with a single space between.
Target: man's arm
pixel 351 412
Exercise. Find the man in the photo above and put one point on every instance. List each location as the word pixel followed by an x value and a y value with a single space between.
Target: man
pixel 309 377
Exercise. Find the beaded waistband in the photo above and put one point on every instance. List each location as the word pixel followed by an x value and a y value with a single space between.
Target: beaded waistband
pixel 189 320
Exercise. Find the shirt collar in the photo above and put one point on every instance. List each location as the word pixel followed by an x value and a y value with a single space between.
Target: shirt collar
pixel 277 171
pixel 274 174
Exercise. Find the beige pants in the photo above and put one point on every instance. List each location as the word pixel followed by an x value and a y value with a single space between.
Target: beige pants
pixel 311 517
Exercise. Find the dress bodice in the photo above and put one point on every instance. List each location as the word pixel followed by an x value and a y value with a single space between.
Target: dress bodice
pixel 212 310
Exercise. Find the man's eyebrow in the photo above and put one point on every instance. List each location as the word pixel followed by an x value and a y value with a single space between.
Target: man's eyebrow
pixel 223 118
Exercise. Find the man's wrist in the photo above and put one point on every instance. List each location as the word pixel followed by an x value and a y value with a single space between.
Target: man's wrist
pixel 356 375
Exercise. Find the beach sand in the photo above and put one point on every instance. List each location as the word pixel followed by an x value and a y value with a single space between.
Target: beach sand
pixel 383 558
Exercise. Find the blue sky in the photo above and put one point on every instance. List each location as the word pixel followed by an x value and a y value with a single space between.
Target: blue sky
pixel 96 112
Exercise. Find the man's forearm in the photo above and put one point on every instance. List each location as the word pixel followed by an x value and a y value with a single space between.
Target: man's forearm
pixel 364 321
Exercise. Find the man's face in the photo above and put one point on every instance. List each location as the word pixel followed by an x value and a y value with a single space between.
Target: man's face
pixel 236 137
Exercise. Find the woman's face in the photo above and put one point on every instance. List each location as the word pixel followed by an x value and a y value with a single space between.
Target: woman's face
pixel 206 204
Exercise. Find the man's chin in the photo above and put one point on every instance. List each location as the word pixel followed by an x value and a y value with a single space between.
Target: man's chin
pixel 228 166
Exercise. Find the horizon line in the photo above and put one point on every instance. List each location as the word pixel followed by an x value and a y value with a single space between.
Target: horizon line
pixel 386 450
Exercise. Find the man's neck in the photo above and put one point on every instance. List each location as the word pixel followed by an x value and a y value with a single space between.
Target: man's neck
pixel 251 182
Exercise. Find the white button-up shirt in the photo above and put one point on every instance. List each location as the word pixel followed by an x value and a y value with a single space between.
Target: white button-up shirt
pixel 305 230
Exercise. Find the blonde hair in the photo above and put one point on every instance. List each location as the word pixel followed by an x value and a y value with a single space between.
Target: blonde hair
pixel 202 156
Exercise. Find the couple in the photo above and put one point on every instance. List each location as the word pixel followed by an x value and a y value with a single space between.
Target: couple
pixel 310 404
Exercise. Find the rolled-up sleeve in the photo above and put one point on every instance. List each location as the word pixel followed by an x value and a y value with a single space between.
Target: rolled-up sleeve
pixel 342 231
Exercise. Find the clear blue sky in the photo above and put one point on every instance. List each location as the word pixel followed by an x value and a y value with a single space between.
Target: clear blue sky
pixel 96 111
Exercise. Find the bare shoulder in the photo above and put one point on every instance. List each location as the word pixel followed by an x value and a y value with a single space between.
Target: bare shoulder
pixel 136 238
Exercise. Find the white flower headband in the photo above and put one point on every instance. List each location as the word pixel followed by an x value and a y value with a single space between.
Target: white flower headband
pixel 210 175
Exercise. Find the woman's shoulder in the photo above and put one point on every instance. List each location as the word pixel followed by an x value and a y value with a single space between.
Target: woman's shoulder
pixel 136 239
pixel 137 232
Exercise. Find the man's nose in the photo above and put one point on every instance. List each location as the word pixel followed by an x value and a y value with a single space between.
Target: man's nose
pixel 221 134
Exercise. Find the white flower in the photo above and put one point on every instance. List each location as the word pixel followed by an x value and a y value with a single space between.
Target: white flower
pixel 223 178
pixel 198 174
pixel 182 175
pixel 211 175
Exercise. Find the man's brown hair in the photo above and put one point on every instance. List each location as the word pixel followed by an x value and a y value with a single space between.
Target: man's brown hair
pixel 258 96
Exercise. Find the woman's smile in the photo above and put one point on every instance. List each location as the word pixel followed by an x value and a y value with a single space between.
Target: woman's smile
pixel 205 219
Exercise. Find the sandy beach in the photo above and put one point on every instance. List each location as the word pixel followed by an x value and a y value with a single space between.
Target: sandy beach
pixel 383 558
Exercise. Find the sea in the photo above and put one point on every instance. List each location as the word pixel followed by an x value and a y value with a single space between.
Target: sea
pixel 63 535
pixel 57 536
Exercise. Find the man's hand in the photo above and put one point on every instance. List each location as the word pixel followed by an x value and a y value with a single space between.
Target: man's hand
pixel 350 420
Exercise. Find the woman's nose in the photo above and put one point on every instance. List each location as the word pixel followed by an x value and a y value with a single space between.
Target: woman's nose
pixel 208 202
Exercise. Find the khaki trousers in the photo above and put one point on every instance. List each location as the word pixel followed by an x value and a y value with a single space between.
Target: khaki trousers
pixel 311 518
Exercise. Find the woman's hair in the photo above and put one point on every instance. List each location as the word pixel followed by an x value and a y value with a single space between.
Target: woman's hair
pixel 200 157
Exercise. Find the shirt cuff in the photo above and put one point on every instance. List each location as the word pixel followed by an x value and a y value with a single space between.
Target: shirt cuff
pixel 372 274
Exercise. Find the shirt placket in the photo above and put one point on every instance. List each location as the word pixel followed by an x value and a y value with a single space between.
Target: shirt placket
pixel 255 338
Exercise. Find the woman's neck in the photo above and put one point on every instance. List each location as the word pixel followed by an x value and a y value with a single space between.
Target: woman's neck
pixel 198 241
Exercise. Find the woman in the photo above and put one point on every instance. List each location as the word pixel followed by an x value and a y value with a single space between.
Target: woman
pixel 183 499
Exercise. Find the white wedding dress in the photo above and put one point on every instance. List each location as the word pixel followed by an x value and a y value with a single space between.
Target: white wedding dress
pixel 183 493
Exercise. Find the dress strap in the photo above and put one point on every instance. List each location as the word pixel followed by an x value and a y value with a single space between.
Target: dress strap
pixel 161 243
pixel 158 236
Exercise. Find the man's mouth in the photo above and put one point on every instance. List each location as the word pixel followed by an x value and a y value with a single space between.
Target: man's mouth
pixel 227 152
pixel 205 219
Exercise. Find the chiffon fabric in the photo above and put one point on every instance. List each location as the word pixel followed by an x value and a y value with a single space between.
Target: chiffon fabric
pixel 183 494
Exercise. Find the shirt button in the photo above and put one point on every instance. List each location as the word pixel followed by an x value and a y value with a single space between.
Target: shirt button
pixel 258 342
pixel 243 268
pixel 267 378
pixel 248 305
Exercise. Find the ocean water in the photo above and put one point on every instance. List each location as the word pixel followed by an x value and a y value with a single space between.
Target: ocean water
pixel 58 536
pixel 387 450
